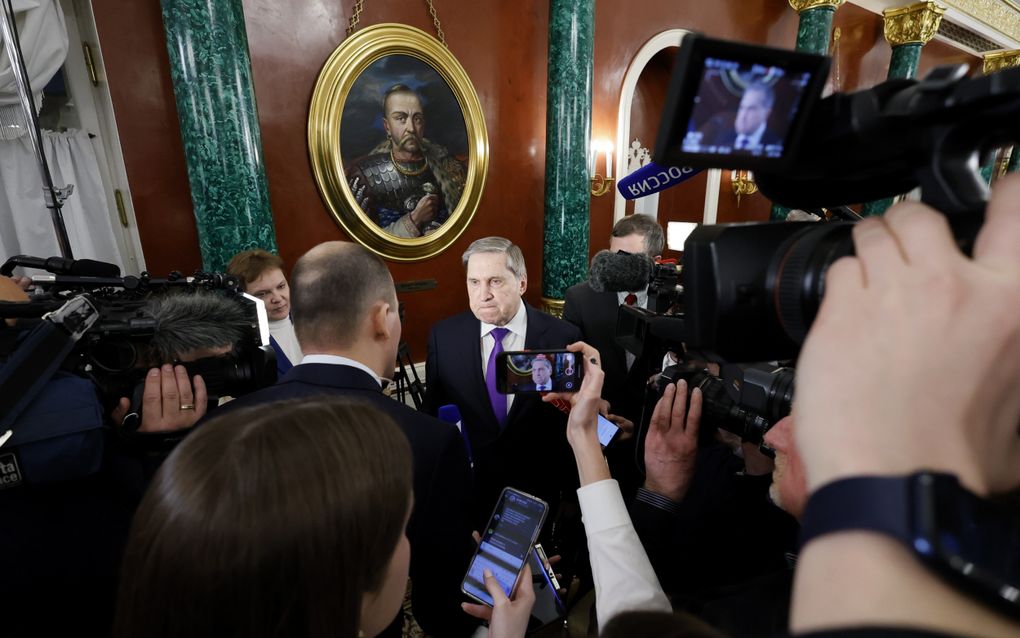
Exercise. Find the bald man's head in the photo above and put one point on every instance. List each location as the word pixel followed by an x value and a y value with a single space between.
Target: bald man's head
pixel 333 287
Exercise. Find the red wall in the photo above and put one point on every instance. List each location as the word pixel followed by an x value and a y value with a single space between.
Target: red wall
pixel 502 46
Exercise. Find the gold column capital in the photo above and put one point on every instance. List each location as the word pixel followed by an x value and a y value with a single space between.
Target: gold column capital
pixel 553 307
pixel 913 24
pixel 804 5
pixel 1000 60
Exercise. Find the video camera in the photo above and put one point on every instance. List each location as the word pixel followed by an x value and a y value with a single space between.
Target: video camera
pixel 749 292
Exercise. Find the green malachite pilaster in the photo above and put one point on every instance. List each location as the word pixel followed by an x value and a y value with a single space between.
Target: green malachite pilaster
pixel 568 130
pixel 907 29
pixel 996 62
pixel 813 34
pixel 903 65
pixel 211 73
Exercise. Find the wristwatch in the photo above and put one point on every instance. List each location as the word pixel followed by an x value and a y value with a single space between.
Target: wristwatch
pixel 969 542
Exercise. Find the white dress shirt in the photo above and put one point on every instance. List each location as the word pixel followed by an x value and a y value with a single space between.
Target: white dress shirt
pixel 514 340
pixel 624 578
pixel 337 360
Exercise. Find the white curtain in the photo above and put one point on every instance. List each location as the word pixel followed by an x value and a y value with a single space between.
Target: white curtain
pixel 26 227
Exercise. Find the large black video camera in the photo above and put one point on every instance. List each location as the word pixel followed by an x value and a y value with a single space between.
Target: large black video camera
pixel 87 336
pixel 749 292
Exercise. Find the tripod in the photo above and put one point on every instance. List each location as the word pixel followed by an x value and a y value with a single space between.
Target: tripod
pixel 406 379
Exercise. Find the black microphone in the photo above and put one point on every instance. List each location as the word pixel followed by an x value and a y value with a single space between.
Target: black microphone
pixel 62 266
pixel 620 272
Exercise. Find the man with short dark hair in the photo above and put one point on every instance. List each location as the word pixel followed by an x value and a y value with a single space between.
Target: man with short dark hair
pixel 345 317
pixel 750 132
pixel 595 314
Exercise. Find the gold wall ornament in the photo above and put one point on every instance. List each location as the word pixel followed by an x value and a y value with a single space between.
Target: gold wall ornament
pixel 804 5
pixel 346 135
pixel 553 307
pixel 1003 16
pixel 1000 60
pixel 913 24
pixel 742 183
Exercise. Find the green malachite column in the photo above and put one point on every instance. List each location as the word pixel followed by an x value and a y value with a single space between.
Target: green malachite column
pixel 907 29
pixel 211 73
pixel 996 62
pixel 568 131
pixel 813 35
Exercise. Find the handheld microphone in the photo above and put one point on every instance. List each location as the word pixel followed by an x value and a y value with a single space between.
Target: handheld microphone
pixel 652 178
pixel 619 272
pixel 451 414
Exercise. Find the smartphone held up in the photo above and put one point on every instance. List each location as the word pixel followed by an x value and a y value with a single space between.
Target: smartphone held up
pixel 533 371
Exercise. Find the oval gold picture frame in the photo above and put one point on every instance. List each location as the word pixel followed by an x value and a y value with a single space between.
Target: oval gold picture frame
pixel 325 121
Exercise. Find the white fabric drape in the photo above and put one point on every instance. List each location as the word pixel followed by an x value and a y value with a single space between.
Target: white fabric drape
pixel 26 227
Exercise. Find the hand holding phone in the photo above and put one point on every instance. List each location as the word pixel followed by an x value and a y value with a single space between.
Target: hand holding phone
pixel 505 545
pixel 537 371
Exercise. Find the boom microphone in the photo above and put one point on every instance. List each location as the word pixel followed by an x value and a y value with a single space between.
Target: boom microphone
pixel 652 178
pixel 62 266
pixel 619 272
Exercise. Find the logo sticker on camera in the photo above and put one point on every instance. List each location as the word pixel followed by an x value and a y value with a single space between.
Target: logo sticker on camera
pixel 10 474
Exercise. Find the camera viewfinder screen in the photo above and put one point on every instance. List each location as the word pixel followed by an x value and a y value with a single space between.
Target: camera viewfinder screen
pixel 744 108
pixel 542 372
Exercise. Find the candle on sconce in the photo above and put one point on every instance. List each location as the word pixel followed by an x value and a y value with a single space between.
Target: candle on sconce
pixel 609 160
pixel 593 154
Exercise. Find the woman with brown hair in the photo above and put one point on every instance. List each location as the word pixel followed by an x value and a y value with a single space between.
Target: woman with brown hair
pixel 280 520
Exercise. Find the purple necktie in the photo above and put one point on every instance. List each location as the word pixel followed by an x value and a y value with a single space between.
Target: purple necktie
pixel 497 399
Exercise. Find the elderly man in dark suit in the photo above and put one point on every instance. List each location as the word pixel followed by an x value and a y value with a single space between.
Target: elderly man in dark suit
pixel 345 317
pixel 515 440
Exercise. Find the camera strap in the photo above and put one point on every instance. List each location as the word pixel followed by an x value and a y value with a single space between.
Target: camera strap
pixel 39 356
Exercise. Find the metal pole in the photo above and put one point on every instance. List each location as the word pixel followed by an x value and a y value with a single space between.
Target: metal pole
pixel 52 196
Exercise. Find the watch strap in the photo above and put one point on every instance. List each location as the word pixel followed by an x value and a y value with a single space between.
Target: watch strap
pixel 871 503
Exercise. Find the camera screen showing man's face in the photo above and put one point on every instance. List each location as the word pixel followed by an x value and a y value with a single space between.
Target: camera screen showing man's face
pixel 743 108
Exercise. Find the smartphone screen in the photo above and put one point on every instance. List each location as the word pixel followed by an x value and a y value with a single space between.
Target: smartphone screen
pixel 506 543
pixel 538 371
pixel 607 430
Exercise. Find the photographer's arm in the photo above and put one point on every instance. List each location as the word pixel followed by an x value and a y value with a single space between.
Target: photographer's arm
pixel 624 578
pixel 932 341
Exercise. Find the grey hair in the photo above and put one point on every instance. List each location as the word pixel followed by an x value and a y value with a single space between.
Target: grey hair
pixel 514 256
pixel 192 321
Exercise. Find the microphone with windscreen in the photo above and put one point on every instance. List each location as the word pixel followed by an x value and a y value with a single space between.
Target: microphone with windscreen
pixel 62 266
pixel 652 178
pixel 620 271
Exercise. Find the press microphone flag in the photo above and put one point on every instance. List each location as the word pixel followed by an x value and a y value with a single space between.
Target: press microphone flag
pixel 652 178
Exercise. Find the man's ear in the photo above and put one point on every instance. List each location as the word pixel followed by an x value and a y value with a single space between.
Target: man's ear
pixel 378 316
pixel 524 284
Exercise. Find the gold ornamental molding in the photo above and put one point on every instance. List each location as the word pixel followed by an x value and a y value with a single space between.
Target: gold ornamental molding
pixel 553 307
pixel 914 24
pixel 804 5
pixel 1002 16
pixel 1001 60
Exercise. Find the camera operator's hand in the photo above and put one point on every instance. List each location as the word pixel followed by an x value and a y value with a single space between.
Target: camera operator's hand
pixel 507 618
pixel 170 400
pixel 582 423
pixel 671 444
pixel 930 341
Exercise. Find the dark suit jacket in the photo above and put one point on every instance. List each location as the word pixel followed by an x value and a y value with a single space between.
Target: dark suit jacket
pixel 595 314
pixel 439 532
pixel 530 453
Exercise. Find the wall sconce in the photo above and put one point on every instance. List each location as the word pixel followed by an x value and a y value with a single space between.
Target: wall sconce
pixel 600 185
pixel 742 182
